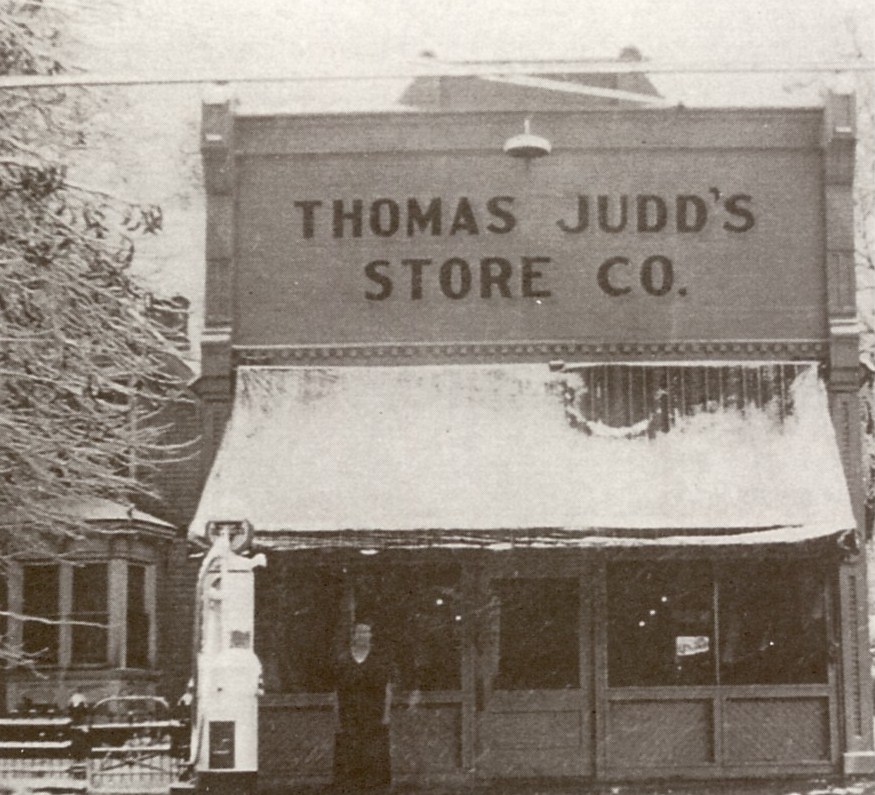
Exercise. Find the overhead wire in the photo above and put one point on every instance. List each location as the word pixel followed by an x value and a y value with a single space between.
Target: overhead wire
pixel 465 69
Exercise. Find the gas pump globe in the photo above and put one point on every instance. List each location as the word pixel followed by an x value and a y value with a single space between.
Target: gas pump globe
pixel 225 741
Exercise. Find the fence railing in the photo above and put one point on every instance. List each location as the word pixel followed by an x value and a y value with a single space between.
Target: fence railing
pixel 103 751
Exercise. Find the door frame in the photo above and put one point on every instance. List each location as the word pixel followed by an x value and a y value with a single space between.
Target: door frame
pixel 578 703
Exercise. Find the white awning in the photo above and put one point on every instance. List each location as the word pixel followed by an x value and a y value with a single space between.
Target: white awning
pixel 452 454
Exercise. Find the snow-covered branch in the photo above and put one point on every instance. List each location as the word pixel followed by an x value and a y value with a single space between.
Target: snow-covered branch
pixel 86 366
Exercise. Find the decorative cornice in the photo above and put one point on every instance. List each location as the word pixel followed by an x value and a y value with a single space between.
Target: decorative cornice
pixel 480 351
pixel 844 326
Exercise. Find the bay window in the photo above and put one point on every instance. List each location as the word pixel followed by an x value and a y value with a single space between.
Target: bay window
pixel 84 613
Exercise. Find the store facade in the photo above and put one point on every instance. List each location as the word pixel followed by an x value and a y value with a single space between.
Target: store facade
pixel 576 434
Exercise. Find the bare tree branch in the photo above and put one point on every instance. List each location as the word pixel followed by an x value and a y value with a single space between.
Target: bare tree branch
pixel 86 365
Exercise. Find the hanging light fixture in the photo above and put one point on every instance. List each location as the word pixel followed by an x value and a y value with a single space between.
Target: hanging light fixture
pixel 527 145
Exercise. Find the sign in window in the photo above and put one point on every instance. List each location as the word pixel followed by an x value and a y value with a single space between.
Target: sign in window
pixel 664 620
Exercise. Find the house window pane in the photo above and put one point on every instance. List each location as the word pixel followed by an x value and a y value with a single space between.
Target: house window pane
pixel 773 624
pixel 660 624
pixel 538 643
pixel 297 623
pixel 41 589
pixel 138 619
pixel 90 599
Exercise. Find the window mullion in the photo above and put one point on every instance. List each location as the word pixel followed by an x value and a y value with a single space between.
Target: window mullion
pixel 118 612
pixel 150 599
pixel 15 596
pixel 716 622
pixel 65 614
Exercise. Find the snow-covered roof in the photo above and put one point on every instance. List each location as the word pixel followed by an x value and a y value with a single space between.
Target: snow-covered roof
pixel 468 449
pixel 99 510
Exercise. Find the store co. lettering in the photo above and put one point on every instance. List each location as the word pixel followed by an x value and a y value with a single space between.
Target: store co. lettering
pixel 648 213
pixel 486 277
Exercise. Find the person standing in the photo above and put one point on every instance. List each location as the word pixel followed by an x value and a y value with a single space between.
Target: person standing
pixel 363 701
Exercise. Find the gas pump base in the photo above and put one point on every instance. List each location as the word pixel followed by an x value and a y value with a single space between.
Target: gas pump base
pixel 230 783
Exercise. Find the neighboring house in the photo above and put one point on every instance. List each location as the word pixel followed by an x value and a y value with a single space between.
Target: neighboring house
pixel 129 576
pixel 112 579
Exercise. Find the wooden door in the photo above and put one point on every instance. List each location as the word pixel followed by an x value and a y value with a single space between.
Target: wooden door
pixel 533 676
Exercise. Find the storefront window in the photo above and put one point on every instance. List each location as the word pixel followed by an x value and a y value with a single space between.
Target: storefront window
pixel 418 614
pixel 770 621
pixel 298 614
pixel 538 647
pixel 660 625
pixel 773 625
pixel 304 618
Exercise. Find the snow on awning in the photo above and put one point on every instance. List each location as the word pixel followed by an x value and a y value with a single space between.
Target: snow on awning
pixel 491 455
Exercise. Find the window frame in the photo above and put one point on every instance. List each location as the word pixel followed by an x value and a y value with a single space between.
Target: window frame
pixel 76 613
pixel 370 593
pixel 511 667
pixel 410 658
pixel 145 614
pixel 117 606
pixel 657 574
pixel 720 576
pixel 54 614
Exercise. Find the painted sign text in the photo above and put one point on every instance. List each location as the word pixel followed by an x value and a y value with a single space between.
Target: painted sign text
pixel 526 275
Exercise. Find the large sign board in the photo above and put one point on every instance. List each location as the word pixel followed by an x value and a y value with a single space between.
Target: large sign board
pixel 621 245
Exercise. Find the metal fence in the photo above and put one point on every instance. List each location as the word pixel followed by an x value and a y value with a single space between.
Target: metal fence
pixel 118 747
pixel 144 769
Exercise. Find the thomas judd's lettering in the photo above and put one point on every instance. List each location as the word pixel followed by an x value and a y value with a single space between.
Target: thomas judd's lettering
pixel 410 217
pixel 460 276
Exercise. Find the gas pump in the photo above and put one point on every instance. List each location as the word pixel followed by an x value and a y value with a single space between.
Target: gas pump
pixel 225 727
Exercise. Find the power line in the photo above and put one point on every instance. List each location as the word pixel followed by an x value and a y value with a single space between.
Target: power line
pixel 469 69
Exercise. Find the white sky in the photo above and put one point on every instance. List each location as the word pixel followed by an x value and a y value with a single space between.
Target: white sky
pixel 272 35
pixel 156 157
